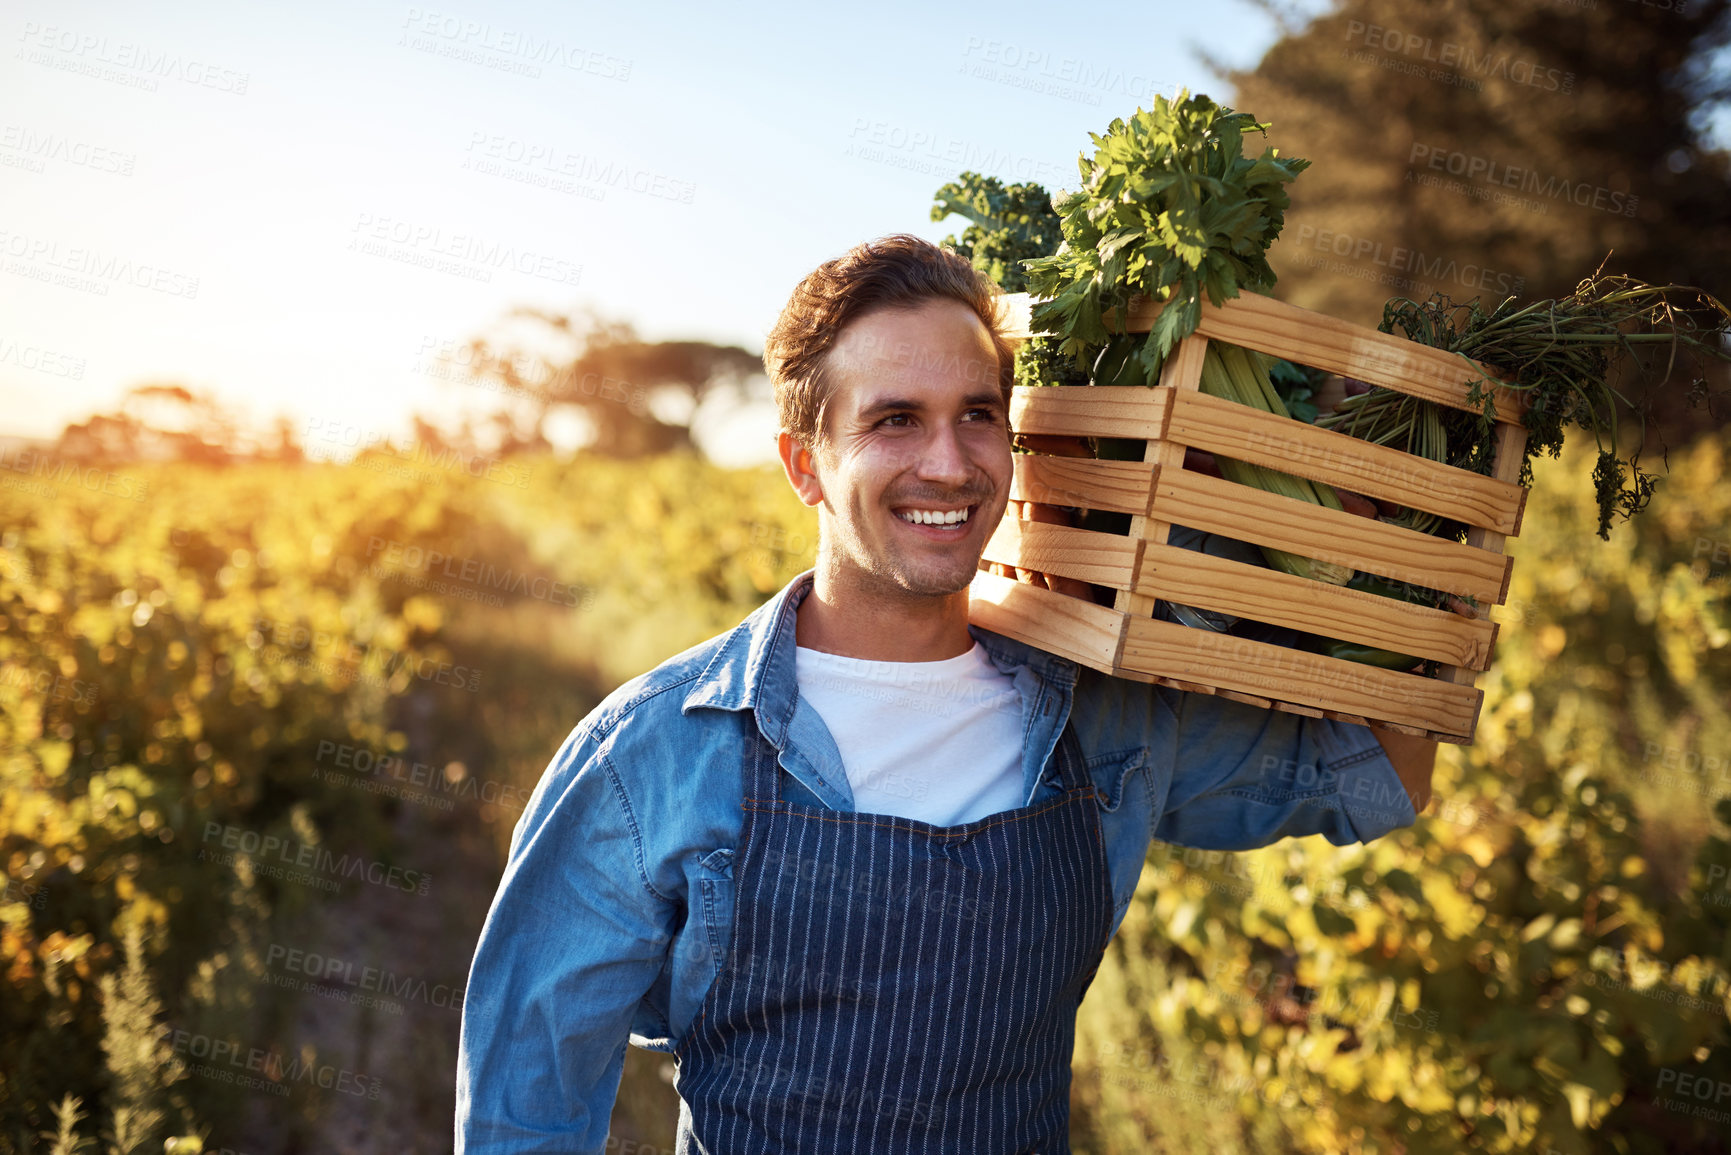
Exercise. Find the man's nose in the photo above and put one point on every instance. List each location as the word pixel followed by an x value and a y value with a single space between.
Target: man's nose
pixel 945 458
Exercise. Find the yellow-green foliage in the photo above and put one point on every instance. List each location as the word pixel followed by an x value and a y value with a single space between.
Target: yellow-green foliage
pixel 1536 965
pixel 1541 961
pixel 674 549
pixel 173 662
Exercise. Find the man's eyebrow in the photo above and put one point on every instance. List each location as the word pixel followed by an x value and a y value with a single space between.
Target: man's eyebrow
pixel 886 404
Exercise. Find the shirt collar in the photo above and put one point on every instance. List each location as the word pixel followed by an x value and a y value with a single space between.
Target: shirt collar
pixel 753 668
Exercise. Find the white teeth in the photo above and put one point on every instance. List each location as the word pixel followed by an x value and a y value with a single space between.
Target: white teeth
pixel 933 517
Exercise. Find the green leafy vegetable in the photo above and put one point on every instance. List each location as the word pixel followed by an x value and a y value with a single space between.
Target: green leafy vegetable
pixel 1010 225
pixel 1169 208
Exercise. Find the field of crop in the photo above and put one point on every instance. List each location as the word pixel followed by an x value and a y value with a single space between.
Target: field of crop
pixel 265 730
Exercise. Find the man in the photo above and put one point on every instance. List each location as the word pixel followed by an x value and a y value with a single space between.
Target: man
pixel 854 862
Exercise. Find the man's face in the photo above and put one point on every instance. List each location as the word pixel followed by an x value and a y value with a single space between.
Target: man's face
pixel 917 434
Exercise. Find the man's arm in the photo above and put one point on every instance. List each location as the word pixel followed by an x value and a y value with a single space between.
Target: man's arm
pixel 575 937
pixel 1414 760
pixel 1243 776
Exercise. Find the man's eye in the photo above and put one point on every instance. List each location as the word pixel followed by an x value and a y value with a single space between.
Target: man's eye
pixel 984 414
pixel 895 418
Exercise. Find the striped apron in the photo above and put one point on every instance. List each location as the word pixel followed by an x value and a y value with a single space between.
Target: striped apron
pixel 892 985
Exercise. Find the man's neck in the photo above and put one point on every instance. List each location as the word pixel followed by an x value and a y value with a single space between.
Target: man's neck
pixel 857 624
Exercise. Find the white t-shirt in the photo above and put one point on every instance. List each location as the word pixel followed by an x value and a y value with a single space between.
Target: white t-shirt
pixel 936 741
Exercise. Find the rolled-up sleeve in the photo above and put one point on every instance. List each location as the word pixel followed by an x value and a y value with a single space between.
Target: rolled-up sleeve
pixel 1243 777
pixel 575 937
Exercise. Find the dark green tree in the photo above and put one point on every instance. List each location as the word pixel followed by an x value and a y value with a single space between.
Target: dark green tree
pixel 1478 147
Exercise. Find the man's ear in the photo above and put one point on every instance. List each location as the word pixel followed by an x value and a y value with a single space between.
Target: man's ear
pixel 801 470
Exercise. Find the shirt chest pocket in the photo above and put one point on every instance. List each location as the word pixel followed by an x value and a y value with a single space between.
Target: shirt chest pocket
pixel 715 902
pixel 1120 773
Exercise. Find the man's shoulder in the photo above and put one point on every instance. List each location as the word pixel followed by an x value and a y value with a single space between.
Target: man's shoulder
pixel 657 694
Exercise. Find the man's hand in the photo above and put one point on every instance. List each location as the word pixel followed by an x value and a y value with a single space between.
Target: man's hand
pixel 1050 514
pixel 1414 758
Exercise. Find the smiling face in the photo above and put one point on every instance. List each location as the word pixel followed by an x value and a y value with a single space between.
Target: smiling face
pixel 915 473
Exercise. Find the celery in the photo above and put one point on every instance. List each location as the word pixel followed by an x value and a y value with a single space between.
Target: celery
pixel 1238 375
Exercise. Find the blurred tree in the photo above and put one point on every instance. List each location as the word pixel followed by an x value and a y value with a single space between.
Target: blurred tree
pixel 639 396
pixel 1480 147
pixel 155 422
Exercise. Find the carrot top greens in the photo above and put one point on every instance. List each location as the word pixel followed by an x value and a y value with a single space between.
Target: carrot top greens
pixel 1561 357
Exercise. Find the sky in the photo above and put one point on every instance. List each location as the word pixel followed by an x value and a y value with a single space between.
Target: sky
pixel 298 208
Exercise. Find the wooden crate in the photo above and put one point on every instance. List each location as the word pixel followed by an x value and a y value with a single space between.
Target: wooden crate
pixel 1128 641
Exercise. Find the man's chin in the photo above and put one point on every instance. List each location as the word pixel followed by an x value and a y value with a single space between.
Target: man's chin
pixel 936 583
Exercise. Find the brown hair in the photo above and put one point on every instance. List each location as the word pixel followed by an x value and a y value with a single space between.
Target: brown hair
pixel 898 271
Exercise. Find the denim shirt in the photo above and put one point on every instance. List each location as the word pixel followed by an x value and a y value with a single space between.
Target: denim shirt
pixel 616 906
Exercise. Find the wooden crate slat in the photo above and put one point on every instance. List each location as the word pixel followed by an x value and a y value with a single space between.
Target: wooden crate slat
pixel 1254 515
pixel 1192 578
pixel 1119 486
pixel 1316 339
pixel 1251 667
pixel 1323 342
pixel 1245 434
pixel 1182 373
pixel 1089 410
pixel 1103 558
pixel 1054 622
pixel 1510 451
